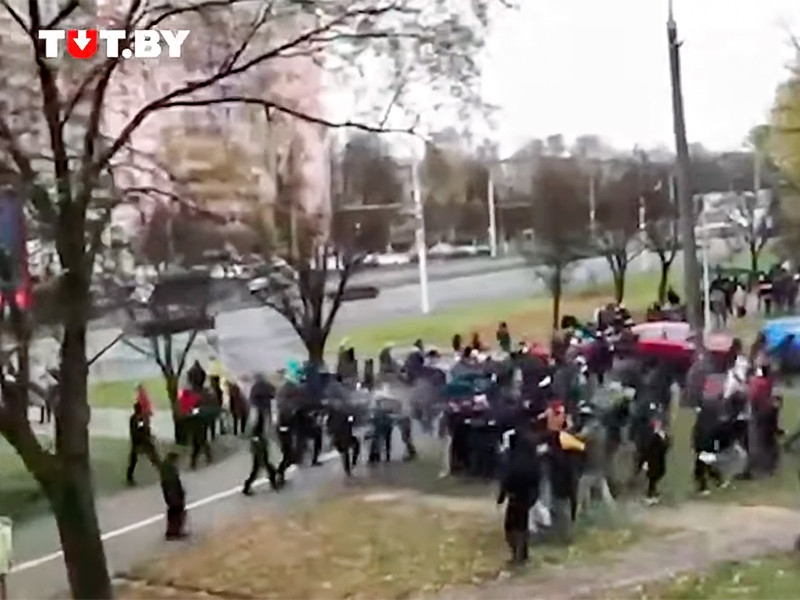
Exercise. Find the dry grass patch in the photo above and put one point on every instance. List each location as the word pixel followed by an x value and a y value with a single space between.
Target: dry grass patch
pixel 376 545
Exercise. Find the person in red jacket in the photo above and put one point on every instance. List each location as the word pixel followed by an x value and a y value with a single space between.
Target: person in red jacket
pixel 188 400
pixel 143 401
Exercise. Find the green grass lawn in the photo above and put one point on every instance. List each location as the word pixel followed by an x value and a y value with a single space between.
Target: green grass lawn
pixel 774 577
pixel 22 498
pixel 121 394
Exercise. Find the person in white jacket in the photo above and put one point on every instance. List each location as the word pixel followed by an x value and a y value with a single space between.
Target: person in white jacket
pixel 738 372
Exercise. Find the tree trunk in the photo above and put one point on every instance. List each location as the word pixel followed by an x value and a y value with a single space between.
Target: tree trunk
pixel 315 347
pixel 619 284
pixel 171 386
pixel 74 508
pixel 663 280
pixel 72 492
pixel 556 292
pixel 754 258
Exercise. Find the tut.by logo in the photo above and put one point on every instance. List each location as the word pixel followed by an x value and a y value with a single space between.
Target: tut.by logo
pixel 83 43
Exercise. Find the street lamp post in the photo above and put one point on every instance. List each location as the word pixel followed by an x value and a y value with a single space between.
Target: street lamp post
pixel 422 249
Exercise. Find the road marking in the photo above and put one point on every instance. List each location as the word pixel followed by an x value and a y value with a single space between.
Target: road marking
pixel 146 522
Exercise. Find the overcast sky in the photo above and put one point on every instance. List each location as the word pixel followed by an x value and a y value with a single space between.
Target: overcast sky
pixel 601 66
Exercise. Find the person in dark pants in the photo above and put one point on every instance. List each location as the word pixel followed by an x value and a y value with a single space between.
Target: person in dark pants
pixel 504 337
pixel 240 409
pixel 306 428
pixel 706 444
pixel 341 425
pixel 519 488
pixel 286 443
pixel 654 456
pixel 216 403
pixel 381 435
pixel 141 439
pixel 197 424
pixel 174 497
pixel 404 425
pixel 261 396
pixel 259 447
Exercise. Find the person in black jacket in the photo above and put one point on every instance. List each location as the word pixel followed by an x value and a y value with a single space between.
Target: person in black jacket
pixel 174 497
pixel 519 488
pixel 141 439
pixel 259 447
pixel 196 375
pixel 261 396
pixel 341 423
pixel 706 444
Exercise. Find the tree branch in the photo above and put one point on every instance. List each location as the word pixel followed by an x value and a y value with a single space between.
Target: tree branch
pixel 268 104
pixel 124 137
pixel 105 349
pixel 62 14
pixel 185 352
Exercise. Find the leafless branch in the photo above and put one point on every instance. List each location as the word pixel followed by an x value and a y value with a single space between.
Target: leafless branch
pixel 137 348
pixel 185 352
pixel 169 99
pixel 105 349
pixel 63 13
pixel 268 104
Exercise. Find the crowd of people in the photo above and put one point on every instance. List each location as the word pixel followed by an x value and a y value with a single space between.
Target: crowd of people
pixel 547 423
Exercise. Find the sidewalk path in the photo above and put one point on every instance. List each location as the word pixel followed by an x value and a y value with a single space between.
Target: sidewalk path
pixel 111 423
pixel 133 523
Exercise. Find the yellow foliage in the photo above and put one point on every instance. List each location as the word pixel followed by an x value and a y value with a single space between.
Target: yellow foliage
pixel 784 140
pixel 214 169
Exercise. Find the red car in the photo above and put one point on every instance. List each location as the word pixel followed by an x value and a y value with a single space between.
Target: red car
pixel 671 341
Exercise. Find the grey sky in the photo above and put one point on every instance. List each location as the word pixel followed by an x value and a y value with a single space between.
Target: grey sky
pixel 600 66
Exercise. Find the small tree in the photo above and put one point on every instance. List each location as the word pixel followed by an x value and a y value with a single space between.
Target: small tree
pixel 305 287
pixel 176 303
pixel 661 227
pixel 750 217
pixel 616 236
pixel 559 189
pixel 367 191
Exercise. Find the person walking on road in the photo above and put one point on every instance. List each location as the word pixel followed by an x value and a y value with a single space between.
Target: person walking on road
pixel 259 447
pixel 141 439
pixel 174 497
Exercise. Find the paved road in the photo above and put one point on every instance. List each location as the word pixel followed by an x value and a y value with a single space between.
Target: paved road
pixel 257 339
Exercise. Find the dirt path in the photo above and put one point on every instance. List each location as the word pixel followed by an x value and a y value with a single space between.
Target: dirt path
pixel 704 534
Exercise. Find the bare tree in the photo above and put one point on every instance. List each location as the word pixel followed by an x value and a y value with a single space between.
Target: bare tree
pixel 305 287
pixel 559 188
pixel 367 192
pixel 455 184
pixel 555 145
pixel 616 237
pixel 55 132
pixel 661 224
pixel 166 315
pixel 750 216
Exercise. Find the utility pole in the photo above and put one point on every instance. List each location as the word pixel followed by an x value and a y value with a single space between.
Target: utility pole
pixel 592 203
pixel 422 246
pixel 691 268
pixel 490 200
